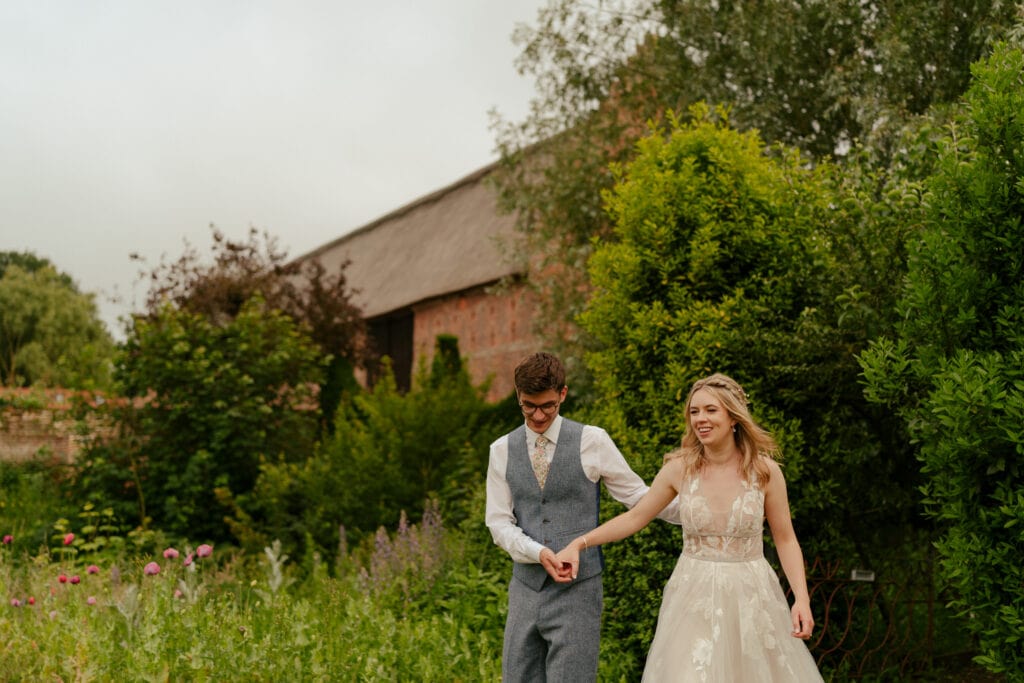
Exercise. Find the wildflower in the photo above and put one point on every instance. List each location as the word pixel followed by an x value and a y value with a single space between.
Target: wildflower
pixel 204 550
pixel 8 539
pixel 15 602
pixel 178 594
pixel 188 559
pixel 92 569
pixel 75 579
pixel 68 538
pixel 170 554
pixel 90 600
pixel 53 614
pixel 151 569
pixel 31 600
pixel 63 578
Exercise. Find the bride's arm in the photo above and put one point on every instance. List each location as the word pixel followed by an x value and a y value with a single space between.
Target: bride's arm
pixel 776 507
pixel 663 490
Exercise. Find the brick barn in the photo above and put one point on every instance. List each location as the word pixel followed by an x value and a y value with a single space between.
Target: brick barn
pixel 441 265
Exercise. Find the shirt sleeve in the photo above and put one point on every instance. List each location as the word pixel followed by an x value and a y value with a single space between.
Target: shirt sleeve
pixel 499 517
pixel 602 460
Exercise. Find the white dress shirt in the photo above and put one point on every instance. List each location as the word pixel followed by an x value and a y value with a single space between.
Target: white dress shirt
pixel 601 460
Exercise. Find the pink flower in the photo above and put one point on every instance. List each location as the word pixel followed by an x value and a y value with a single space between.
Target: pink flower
pixel 178 594
pixel 31 600
pixel 151 569
pixel 188 559
pixel 15 602
pixel 90 600
pixel 75 579
pixel 8 539
pixel 63 578
pixel 92 569
pixel 68 538
pixel 170 554
pixel 204 550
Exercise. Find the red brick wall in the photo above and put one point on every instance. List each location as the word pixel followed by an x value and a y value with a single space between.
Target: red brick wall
pixel 494 330
pixel 38 424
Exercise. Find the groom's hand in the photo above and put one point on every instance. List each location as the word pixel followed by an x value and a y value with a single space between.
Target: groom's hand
pixel 562 573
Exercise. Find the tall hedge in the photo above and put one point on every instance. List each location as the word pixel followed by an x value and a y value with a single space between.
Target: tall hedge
pixel 718 263
pixel 954 370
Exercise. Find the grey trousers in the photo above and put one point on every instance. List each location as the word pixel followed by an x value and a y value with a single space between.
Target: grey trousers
pixel 553 634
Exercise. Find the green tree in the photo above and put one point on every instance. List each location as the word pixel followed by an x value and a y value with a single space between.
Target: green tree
pixel 954 370
pixel 727 258
pixel 207 403
pixel 824 76
pixel 217 288
pixel 50 333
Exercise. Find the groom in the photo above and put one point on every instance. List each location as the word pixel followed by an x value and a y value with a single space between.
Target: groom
pixel 543 490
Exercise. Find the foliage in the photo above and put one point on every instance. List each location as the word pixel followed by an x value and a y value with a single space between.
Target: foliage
pixel 50 333
pixel 31 501
pixel 728 259
pixel 389 453
pixel 827 77
pixel 427 614
pixel 953 370
pixel 29 262
pixel 303 289
pixel 208 402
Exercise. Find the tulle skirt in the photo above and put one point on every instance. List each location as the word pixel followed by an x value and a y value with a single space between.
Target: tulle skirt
pixel 726 622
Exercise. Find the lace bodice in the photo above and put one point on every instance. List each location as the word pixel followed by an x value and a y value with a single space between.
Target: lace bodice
pixel 731 534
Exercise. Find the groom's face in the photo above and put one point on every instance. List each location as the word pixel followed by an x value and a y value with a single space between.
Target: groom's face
pixel 541 409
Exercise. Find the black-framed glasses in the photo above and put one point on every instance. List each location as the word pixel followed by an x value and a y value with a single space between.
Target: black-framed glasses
pixel 549 408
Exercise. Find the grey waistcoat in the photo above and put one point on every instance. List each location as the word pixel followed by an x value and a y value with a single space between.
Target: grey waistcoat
pixel 567 507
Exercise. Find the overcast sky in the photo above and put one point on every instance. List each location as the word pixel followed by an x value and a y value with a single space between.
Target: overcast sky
pixel 132 125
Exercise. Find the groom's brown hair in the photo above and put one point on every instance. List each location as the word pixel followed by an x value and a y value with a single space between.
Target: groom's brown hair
pixel 539 372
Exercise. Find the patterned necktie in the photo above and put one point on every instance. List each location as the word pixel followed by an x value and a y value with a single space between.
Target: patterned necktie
pixel 540 460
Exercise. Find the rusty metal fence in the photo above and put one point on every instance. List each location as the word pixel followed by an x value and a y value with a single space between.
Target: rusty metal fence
pixel 870 626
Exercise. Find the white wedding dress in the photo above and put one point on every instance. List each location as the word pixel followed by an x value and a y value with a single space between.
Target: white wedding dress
pixel 724 617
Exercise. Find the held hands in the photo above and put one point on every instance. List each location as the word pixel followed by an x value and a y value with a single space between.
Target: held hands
pixel 569 558
pixel 557 570
pixel 803 622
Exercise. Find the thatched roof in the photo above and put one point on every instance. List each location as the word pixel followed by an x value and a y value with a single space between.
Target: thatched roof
pixel 445 242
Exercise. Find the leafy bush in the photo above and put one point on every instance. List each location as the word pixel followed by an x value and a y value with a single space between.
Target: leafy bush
pixel 209 401
pixel 954 370
pixel 390 452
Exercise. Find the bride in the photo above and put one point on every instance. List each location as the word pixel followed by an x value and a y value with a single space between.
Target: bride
pixel 724 616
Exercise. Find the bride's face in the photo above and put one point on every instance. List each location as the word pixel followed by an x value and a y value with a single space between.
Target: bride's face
pixel 709 420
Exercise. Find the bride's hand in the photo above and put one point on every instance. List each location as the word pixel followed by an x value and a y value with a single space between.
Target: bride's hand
pixel 569 557
pixel 803 621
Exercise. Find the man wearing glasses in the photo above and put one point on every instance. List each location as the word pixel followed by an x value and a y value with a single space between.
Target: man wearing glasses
pixel 543 490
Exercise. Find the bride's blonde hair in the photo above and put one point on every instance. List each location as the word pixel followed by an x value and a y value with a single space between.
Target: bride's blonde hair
pixel 753 441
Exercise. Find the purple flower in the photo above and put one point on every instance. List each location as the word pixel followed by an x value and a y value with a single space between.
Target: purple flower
pixel 15 602
pixel 151 569
pixel 8 539
pixel 92 569
pixel 204 550
pixel 170 554
pixel 75 579
pixel 90 600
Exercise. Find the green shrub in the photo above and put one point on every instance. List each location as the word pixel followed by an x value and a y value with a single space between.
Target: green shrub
pixel 210 400
pixel 389 453
pixel 954 370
